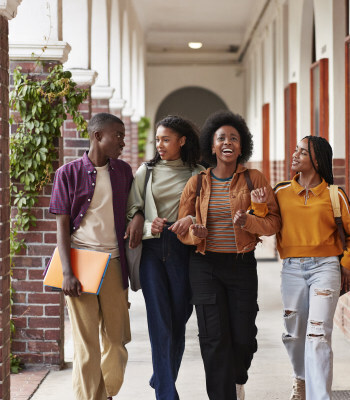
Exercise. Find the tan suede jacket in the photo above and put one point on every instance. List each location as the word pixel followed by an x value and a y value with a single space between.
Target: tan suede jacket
pixel 246 237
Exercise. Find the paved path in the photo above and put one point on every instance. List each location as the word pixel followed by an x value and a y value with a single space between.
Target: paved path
pixel 270 374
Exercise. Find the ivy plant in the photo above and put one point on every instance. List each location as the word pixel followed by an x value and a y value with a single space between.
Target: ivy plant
pixel 39 109
pixel 143 127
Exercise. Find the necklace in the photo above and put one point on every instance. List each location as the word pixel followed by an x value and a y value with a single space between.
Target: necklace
pixel 307 187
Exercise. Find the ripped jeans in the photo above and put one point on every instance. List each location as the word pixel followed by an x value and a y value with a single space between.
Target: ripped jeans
pixel 310 291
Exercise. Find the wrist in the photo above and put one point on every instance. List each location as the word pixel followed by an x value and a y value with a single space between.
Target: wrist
pixel 191 218
pixel 68 274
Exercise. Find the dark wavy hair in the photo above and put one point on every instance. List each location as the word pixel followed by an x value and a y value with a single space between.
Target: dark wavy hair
pixel 190 151
pixel 324 155
pixel 216 121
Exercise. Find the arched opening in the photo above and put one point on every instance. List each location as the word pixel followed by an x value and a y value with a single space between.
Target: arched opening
pixel 194 103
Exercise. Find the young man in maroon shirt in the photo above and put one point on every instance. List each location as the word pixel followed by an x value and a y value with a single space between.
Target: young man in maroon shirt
pixel 89 199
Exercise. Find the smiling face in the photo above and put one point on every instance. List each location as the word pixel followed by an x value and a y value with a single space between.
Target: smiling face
pixel 301 158
pixel 111 140
pixel 168 143
pixel 227 145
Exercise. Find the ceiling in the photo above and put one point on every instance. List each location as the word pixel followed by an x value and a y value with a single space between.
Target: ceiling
pixel 223 27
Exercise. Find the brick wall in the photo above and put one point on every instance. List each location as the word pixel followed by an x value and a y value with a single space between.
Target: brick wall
pixel 4 217
pixel 37 312
pixel 277 172
pixel 130 151
pixel 339 172
pixel 73 144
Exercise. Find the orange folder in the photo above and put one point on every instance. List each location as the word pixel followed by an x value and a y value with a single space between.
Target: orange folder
pixel 88 266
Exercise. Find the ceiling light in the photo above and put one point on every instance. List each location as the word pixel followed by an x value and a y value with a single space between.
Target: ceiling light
pixel 195 45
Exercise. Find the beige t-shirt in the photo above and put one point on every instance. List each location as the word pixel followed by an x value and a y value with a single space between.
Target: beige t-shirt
pixel 97 230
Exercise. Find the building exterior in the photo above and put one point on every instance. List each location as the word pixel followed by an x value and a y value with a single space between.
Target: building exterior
pixel 289 77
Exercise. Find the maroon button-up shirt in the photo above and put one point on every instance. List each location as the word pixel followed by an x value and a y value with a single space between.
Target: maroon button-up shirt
pixel 72 192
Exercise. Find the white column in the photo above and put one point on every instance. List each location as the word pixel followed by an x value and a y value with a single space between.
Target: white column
pixel 115 56
pixel 37 30
pixel 126 67
pixel 77 34
pixel 100 50
pixel 134 78
pixel 141 81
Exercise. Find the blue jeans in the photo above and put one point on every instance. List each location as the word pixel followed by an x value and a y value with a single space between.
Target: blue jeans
pixel 310 291
pixel 166 289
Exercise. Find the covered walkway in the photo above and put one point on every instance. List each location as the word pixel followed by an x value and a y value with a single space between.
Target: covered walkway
pixel 270 376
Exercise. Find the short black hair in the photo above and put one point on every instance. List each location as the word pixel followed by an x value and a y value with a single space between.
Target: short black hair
pixel 324 157
pixel 99 121
pixel 216 121
pixel 190 151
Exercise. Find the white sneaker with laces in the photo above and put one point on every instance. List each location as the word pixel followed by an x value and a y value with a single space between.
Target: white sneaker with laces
pixel 298 391
pixel 240 392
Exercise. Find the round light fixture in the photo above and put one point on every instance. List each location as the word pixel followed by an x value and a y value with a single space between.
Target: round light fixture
pixel 195 45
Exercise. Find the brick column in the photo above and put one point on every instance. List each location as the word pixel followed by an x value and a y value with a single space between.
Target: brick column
pixel 4 216
pixel 37 312
pixel 126 155
pixel 339 172
pixel 134 162
pixel 74 145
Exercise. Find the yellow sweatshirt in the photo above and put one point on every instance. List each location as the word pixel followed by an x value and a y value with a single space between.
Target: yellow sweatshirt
pixel 308 226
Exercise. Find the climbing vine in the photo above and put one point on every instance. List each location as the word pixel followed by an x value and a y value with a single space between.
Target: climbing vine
pixel 143 126
pixel 39 108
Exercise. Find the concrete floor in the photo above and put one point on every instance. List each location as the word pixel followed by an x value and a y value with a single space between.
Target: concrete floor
pixel 270 374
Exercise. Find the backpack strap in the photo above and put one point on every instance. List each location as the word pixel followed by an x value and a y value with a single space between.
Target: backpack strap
pixel 148 174
pixel 199 185
pixel 333 192
pixel 248 180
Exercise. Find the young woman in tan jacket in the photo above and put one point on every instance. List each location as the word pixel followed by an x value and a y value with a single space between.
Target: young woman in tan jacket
pixel 223 273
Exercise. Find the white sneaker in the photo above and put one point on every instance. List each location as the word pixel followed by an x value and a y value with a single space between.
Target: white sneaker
pixel 298 391
pixel 240 392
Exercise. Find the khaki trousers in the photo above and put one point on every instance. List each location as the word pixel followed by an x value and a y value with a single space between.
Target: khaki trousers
pixel 100 329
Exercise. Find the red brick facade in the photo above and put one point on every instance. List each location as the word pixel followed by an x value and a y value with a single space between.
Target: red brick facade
pixel 37 312
pixel 73 144
pixel 4 216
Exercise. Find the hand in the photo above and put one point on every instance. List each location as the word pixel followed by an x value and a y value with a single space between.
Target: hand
pixel 135 230
pixel 240 218
pixel 199 230
pixel 71 285
pixel 181 226
pixel 345 279
pixel 158 225
pixel 259 195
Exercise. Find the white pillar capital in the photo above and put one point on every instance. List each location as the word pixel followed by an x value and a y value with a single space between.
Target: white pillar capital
pixel 50 51
pixel 127 111
pixel 8 8
pixel 116 103
pixel 101 92
pixel 135 117
pixel 83 77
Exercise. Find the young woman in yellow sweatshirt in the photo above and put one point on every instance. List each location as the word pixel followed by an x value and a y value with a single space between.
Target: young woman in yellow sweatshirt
pixel 309 244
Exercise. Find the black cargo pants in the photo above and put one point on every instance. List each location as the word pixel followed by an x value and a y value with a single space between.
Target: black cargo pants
pixel 225 288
